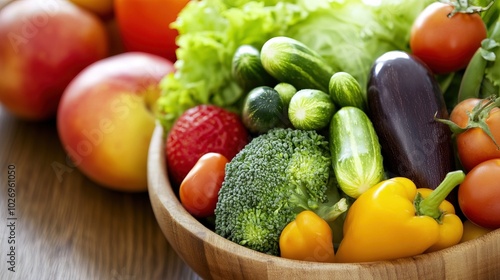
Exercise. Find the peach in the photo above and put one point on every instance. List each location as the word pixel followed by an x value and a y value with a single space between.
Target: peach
pixel 106 118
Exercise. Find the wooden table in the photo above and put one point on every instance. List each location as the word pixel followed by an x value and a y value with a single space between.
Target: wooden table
pixel 67 227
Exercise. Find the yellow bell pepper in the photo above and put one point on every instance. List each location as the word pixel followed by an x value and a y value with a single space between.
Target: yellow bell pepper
pixel 394 219
pixel 307 238
pixel 473 231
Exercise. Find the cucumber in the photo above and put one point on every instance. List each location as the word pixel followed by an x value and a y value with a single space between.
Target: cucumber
pixel 356 152
pixel 291 61
pixel 247 69
pixel 286 91
pixel 263 109
pixel 345 90
pixel 310 109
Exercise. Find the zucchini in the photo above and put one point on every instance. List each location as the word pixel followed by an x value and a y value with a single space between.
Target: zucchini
pixel 356 151
pixel 345 90
pixel 247 69
pixel 310 109
pixel 263 109
pixel 291 61
pixel 286 91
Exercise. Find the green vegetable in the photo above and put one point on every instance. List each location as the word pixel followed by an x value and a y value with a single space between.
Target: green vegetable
pixel 263 109
pixel 470 85
pixel 356 152
pixel 346 91
pixel 349 35
pixel 272 179
pixel 491 52
pixel 247 69
pixel 291 61
pixel 310 109
pixel 286 91
pixel 482 69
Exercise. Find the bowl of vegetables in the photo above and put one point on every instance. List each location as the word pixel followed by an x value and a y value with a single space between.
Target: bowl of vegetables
pixel 295 156
pixel 214 257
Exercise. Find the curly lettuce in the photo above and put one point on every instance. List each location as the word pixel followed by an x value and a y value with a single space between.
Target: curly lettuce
pixel 349 34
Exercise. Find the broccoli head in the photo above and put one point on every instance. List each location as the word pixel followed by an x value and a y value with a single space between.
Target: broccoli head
pixel 272 179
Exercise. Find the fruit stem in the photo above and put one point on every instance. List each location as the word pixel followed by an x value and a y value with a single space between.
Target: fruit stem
pixel 462 6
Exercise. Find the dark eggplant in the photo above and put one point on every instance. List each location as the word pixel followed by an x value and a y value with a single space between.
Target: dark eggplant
pixel 404 98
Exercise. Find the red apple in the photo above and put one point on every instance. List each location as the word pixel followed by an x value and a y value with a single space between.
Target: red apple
pixel 43 46
pixel 105 118
pixel 102 8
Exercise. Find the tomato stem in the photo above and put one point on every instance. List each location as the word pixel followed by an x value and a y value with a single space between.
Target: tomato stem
pixel 462 6
pixel 477 118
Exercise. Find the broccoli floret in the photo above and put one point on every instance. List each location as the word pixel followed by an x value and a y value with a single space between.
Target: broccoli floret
pixel 272 179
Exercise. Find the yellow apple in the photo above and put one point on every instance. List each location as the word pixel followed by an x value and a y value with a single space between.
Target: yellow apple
pixel 105 119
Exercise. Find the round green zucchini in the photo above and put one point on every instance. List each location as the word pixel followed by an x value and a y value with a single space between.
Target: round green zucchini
pixel 286 91
pixel 247 69
pixel 263 109
pixel 310 109
pixel 345 90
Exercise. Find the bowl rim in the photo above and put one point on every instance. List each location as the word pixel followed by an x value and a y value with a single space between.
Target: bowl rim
pixel 182 218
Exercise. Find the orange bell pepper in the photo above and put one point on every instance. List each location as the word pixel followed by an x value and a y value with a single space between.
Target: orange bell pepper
pixel 307 238
pixel 394 219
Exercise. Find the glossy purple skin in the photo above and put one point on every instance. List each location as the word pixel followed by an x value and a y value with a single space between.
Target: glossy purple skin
pixel 403 99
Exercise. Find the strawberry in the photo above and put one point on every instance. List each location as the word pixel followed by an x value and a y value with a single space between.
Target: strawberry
pixel 199 130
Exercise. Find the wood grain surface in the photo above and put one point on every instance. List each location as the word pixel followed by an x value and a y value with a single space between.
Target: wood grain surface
pixel 67 227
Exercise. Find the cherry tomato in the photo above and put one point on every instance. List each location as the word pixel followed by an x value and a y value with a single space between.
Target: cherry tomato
pixel 473 231
pixel 144 25
pixel 446 44
pixel 200 188
pixel 479 194
pixel 474 145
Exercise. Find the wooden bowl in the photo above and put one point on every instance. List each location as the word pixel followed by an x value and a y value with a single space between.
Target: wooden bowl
pixel 214 257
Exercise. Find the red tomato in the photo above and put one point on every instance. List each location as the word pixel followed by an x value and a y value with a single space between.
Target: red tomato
pixel 446 44
pixel 144 25
pixel 479 194
pixel 474 145
pixel 199 190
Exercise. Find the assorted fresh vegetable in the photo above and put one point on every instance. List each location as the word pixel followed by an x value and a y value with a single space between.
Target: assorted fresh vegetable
pixel 247 69
pixel 264 109
pixel 310 109
pixel 356 151
pixel 446 36
pixel 200 188
pixel 479 193
pixel 351 124
pixel 345 90
pixel 272 179
pixel 307 238
pixel 293 62
pixel 403 99
pixel 286 91
pixel 396 219
pixel 476 125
